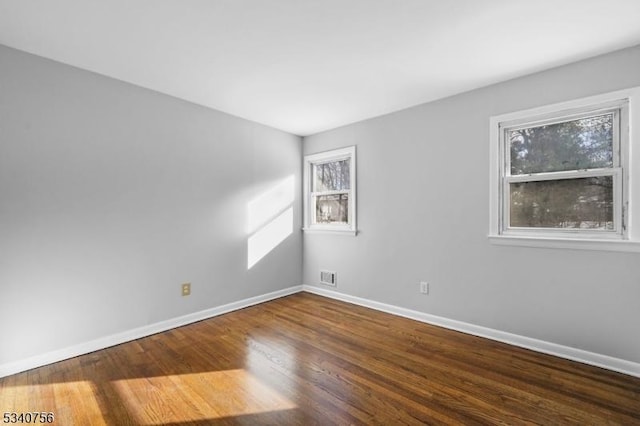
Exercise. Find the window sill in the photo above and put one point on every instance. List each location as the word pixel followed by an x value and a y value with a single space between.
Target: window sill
pixel 349 232
pixel 566 243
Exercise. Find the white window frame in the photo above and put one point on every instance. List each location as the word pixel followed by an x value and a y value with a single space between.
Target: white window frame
pixel 625 235
pixel 309 197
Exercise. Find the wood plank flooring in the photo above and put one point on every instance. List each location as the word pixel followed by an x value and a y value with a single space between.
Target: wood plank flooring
pixel 304 360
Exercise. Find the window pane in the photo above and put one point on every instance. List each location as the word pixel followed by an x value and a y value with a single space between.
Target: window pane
pixel 333 176
pixel 585 203
pixel 332 208
pixel 586 143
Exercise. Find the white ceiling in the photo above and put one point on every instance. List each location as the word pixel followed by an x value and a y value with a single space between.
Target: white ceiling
pixel 305 66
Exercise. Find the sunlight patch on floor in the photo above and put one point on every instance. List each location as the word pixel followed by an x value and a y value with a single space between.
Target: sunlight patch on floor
pixel 72 403
pixel 197 397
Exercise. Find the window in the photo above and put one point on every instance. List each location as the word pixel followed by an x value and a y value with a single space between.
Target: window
pixel 329 182
pixel 562 172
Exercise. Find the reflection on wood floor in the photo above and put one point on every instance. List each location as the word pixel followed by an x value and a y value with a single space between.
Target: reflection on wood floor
pixel 304 360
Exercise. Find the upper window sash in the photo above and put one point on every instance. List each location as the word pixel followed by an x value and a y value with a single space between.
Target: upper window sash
pixel 315 178
pixel 617 108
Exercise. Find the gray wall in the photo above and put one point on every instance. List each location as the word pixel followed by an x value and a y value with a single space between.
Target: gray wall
pixel 423 214
pixel 112 195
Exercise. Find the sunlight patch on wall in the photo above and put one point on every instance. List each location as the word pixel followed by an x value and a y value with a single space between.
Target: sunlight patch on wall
pixel 78 399
pixel 269 220
pixel 197 397
pixel 269 237
pixel 270 203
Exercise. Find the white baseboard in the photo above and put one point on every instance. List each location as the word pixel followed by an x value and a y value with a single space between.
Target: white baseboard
pixel 586 357
pixel 137 333
pixel 567 352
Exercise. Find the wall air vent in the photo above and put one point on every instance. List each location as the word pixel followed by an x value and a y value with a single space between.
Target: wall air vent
pixel 328 278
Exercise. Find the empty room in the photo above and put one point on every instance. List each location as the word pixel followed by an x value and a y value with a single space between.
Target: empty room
pixel 330 212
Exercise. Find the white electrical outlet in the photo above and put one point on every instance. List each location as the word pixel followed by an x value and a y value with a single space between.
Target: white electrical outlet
pixel 424 287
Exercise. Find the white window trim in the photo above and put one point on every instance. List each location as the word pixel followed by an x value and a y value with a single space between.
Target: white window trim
pixel 628 240
pixel 325 157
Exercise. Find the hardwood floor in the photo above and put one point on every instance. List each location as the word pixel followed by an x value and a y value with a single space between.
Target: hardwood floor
pixel 305 360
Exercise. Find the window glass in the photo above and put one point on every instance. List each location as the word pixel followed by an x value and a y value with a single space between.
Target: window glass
pixel 332 208
pixel 583 203
pixel 332 176
pixel 586 143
